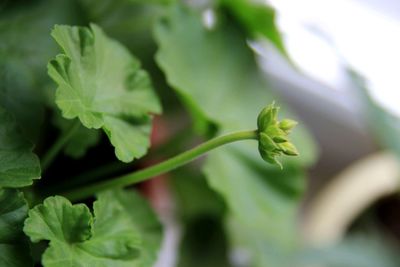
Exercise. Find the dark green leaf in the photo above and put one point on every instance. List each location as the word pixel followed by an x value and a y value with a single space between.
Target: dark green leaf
pixel 128 21
pixel 102 84
pixel 202 211
pixel 18 165
pixel 24 55
pixel 204 244
pixel 81 140
pixel 14 245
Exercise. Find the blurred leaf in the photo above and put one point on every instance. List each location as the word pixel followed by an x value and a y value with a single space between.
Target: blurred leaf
pixel 201 210
pixel 223 86
pixel 115 93
pixel 24 55
pixel 204 244
pixel 18 165
pixel 144 222
pixel 257 18
pixel 194 197
pixel 14 245
pixel 261 197
pixel 128 21
pixel 253 248
pixel 354 251
pixel 217 72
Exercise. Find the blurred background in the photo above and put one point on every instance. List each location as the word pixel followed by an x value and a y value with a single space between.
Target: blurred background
pixel 354 185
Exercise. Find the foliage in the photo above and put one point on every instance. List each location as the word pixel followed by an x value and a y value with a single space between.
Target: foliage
pixel 103 85
pixel 113 236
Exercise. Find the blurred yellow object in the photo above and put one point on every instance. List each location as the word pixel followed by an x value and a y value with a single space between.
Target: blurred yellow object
pixel 348 195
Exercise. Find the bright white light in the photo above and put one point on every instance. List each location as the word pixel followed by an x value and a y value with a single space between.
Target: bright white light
pixel 314 56
pixel 368 40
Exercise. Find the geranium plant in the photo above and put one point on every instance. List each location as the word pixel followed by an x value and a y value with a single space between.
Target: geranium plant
pixel 112 66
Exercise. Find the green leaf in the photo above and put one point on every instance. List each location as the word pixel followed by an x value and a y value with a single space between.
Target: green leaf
pixel 102 84
pixel 257 18
pixel 194 197
pixel 201 210
pixel 14 245
pixel 18 165
pixel 121 232
pixel 144 221
pixel 215 79
pixel 78 239
pixel 81 139
pixel 216 70
pixel 262 197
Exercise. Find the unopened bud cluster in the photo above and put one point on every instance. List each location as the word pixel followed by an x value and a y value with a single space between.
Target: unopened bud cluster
pixel 273 135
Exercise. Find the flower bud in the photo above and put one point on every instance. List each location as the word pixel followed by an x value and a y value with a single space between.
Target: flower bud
pixel 273 135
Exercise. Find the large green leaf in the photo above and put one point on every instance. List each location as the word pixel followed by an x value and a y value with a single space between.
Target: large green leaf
pixel 18 165
pixel 14 246
pixel 102 84
pixel 122 232
pixel 78 239
pixel 220 83
pixel 217 74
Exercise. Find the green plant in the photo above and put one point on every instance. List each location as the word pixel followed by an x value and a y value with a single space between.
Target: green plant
pixel 102 85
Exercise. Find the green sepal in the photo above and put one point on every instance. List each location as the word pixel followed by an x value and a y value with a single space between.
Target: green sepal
pixel 287 125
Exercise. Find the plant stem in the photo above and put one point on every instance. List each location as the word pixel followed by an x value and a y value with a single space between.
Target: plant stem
pixel 160 168
pixel 51 154
pixel 87 177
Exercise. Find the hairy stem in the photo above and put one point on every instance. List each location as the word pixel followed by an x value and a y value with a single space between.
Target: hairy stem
pixel 52 153
pixel 160 168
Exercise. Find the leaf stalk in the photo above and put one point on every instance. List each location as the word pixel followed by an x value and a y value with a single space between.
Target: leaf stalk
pixel 62 140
